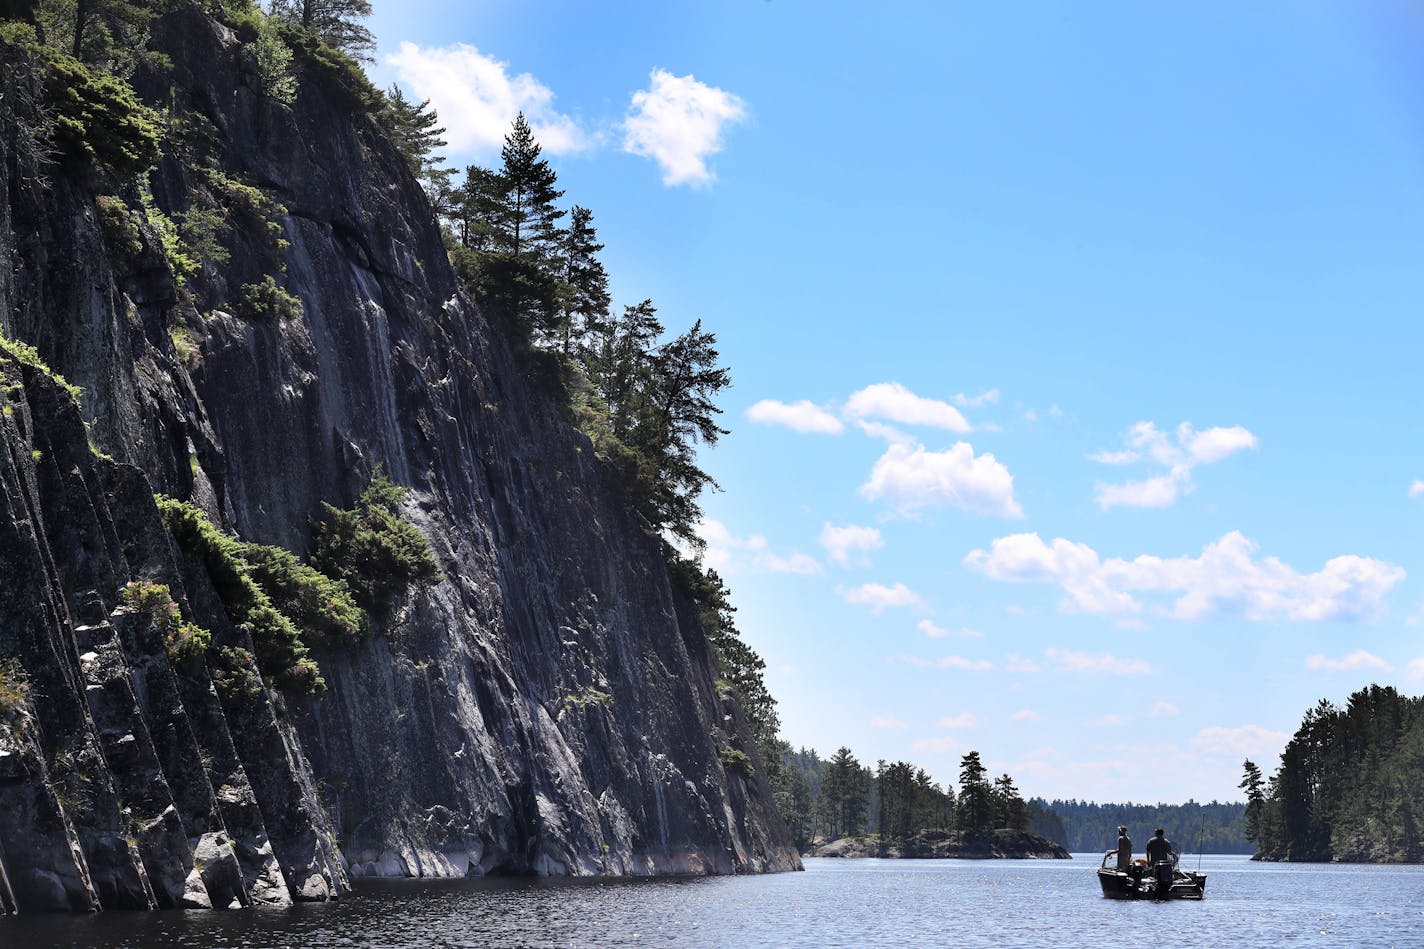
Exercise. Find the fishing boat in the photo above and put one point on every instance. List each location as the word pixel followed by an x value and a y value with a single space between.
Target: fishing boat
pixel 1161 882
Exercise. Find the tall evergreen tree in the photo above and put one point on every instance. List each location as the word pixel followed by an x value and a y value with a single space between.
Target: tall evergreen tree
pixel 1253 785
pixel 585 284
pixel 337 23
pixel 416 132
pixel 974 814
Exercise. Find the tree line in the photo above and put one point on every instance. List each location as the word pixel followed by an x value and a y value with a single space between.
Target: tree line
pixel 1347 787
pixel 1088 827
pixel 824 799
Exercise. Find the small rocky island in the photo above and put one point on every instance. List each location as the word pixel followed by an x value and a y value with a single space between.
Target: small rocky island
pixel 1001 844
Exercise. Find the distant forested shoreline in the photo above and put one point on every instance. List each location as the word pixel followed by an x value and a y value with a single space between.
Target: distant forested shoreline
pixel 1086 826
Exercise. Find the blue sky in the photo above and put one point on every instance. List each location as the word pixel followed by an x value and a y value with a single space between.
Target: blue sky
pixel 1090 332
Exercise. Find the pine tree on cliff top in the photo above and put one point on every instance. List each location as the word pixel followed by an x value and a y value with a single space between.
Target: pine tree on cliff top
pixel 337 23
pixel 585 283
pixel 529 219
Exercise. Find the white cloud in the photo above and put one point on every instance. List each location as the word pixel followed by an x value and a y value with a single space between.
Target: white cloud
pixel 913 478
pixel 1110 720
pixel 1146 443
pixel 930 629
pixel 844 544
pixel 962 720
pixel 885 721
pixel 1415 670
pixel 803 416
pixel 477 99
pixel 1024 715
pixel 678 123
pixel 726 553
pixel 1017 663
pixel 946 662
pixel 1226 580
pixel 1241 742
pixel 1416 490
pixel 1355 661
pixel 942 744
pixel 1104 663
pixel 1165 710
pixel 893 402
pixel 989 397
pixel 879 597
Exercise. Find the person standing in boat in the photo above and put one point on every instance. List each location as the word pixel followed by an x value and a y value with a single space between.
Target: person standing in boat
pixel 1123 851
pixel 1160 848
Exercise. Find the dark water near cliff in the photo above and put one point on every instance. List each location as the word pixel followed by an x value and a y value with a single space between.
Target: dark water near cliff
pixel 834 903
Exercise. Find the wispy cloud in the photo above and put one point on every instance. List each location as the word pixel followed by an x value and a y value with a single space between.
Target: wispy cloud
pixel 850 543
pixel 946 662
pixel 1239 742
pixel 802 416
pixel 1352 662
pixel 1416 490
pixel 1110 720
pixel 1165 710
pixel 679 123
pixel 1227 580
pixel 1102 663
pixel 885 721
pixel 1146 443
pixel 962 720
pixel 933 631
pixel 727 553
pixel 988 397
pixel 941 745
pixel 477 99
pixel 1024 715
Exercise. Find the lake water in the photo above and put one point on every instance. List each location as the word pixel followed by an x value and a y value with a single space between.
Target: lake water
pixel 834 903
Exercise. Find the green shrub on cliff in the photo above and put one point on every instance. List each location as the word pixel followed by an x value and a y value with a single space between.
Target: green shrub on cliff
pixel 116 223
pixel 281 654
pixel 183 641
pixel 314 601
pixel 23 353
pixel 265 301
pixel 373 548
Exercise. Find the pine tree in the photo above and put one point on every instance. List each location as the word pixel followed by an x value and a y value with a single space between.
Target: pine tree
pixel 529 219
pixel 337 23
pixel 585 284
pixel 416 132
pixel 111 34
pixel 1252 784
pixel 975 812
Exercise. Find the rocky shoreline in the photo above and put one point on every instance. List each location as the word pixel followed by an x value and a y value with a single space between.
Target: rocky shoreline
pixel 940 844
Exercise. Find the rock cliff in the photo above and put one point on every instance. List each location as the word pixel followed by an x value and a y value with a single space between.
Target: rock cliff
pixel 550 706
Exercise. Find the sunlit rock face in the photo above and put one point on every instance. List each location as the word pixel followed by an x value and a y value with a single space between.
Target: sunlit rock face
pixel 548 707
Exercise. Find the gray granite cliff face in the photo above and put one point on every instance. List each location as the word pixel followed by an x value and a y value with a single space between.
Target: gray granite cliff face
pixel 551 706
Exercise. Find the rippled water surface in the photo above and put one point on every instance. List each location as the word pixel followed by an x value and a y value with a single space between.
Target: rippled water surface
pixel 834 903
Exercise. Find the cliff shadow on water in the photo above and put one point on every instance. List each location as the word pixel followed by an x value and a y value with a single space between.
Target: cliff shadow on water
pixel 185 719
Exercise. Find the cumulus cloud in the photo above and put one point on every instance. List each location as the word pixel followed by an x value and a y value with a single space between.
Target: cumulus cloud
pixel 848 543
pixel 1024 715
pixel 962 720
pixel 893 402
pixel 678 122
pixel 1227 580
pixel 1165 710
pixel 802 416
pixel 477 99
pixel 1190 448
pixel 1104 663
pixel 885 721
pixel 933 631
pixel 1416 490
pixel 727 553
pixel 1355 661
pixel 913 478
pixel 1243 741
pixel 988 397
pixel 880 597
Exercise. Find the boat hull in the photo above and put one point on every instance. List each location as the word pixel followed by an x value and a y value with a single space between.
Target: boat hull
pixel 1123 886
